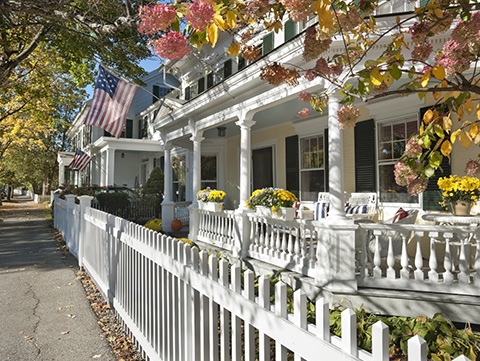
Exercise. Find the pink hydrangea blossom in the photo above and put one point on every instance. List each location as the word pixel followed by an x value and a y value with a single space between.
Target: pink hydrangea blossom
pixel 171 46
pixel 304 97
pixel 401 172
pixel 422 51
pixel 347 116
pixel 413 149
pixel 336 70
pixel 310 75
pixel 313 47
pixel 256 9
pixel 346 22
pixel 420 32
pixel 303 113
pixel 155 18
pixel 472 167
pixel 416 184
pixel 298 9
pixel 199 14
pixel 467 31
pixel 454 57
pixel 321 67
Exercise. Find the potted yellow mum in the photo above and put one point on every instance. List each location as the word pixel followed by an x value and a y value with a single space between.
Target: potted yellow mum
pixel 210 199
pixel 273 202
pixel 459 193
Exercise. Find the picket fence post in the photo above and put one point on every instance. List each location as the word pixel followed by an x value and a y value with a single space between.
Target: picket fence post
pixel 85 201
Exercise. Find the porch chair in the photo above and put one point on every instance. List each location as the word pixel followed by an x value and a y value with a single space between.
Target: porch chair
pixel 409 217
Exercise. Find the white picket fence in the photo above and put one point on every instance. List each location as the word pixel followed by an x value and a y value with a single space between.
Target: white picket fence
pixel 182 305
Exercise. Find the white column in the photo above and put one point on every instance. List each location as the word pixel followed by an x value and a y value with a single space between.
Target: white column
pixel 335 160
pixel 168 206
pixel 61 172
pixel 103 172
pixel 110 167
pixel 197 165
pixel 245 125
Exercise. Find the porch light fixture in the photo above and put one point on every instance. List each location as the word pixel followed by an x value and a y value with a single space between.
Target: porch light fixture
pixel 122 155
pixel 222 131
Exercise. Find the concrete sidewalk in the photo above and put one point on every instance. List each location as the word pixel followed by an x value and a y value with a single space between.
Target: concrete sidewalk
pixel 44 313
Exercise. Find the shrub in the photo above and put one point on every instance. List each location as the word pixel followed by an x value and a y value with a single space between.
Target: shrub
pixel 112 202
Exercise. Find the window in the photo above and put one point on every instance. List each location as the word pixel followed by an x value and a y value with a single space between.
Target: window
pixel 290 30
pixel 159 92
pixel 312 167
pixel 267 45
pixel 392 138
pixel 87 135
pixel 210 81
pixel 241 62
pixel 227 69
pixel 201 85
pixel 209 172
pixel 143 128
pixel 178 178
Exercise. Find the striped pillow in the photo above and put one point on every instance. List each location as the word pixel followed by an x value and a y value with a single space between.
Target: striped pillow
pixel 321 210
pixel 362 209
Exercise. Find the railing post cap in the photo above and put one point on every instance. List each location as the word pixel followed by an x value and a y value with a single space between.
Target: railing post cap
pixel 70 198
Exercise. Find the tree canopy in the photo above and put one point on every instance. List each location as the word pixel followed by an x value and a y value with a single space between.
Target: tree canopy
pixel 410 61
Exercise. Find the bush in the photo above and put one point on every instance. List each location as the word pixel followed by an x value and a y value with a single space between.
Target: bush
pixel 112 202
pixel 154 184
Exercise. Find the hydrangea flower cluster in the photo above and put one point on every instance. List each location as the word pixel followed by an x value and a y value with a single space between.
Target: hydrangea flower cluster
pixel 467 32
pixel 303 113
pixel 312 46
pixel 419 32
pixel 298 9
pixel 347 116
pixel 199 14
pixel 256 9
pixel 402 171
pixel 171 46
pixel 472 167
pixel 454 57
pixel 416 184
pixel 413 149
pixel 304 97
pixel 346 22
pixel 155 18
pixel 422 51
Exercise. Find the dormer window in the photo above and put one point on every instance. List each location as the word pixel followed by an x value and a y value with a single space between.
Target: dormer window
pixel 289 30
pixel 267 45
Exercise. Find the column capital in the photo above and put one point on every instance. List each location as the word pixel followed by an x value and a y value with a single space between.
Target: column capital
pixel 245 123
pixel 167 146
pixel 197 138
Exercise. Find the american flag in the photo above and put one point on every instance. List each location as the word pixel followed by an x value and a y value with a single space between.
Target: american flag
pixel 111 99
pixel 80 161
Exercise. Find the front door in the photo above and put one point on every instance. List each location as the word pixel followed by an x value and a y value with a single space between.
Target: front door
pixel 262 164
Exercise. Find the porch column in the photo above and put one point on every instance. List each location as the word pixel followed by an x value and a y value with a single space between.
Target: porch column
pixel 196 184
pixel 110 167
pixel 245 159
pixel 168 206
pixel 197 165
pixel 335 160
pixel 61 171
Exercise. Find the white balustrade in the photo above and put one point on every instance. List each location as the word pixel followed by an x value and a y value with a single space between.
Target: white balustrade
pixel 179 306
pixel 217 228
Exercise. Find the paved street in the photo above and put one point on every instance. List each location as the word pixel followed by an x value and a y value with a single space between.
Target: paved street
pixel 44 313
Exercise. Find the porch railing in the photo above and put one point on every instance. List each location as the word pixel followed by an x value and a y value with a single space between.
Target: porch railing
pixel 181 305
pixel 217 228
pixel 181 212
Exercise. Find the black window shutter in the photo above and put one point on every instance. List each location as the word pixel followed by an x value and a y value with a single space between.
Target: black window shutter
pixel 365 167
pixel 156 93
pixel 201 85
pixel 129 128
pixel 241 62
pixel 267 43
pixel 291 164
pixel 432 196
pixel 209 80
pixel 227 68
pixel 187 93
pixel 325 159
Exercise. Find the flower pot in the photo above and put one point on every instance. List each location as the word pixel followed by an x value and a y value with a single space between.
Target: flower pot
pixel 461 208
pixel 213 206
pixel 263 211
pixel 286 214
pixel 202 205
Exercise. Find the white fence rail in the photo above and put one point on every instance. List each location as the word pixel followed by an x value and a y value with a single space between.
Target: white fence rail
pixel 180 305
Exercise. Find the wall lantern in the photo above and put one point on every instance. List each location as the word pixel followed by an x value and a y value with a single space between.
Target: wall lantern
pixel 122 155
pixel 222 131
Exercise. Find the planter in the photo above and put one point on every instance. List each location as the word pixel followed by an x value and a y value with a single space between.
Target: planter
pixel 211 206
pixel 286 213
pixel 461 208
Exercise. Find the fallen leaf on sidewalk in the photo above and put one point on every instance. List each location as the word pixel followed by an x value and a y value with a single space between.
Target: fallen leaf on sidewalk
pixel 97 356
pixel 71 316
pixel 68 306
pixel 65 332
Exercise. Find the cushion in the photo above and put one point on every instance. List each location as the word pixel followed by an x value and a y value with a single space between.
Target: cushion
pixel 361 209
pixel 399 215
pixel 296 205
pixel 321 210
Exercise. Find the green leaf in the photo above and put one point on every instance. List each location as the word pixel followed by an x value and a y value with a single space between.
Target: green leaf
pixel 396 73
pixel 429 171
pixel 427 141
pixel 435 159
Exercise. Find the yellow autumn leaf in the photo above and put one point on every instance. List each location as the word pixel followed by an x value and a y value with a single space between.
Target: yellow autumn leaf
pixel 437 95
pixel 218 20
pixel 447 95
pixel 213 34
pixel 469 106
pixel 388 79
pixel 473 130
pixel 456 94
pixel 446 148
pixel 444 83
pixel 478 110
pixel 426 78
pixel 438 13
pixel 376 77
pixel 447 124
pixel 428 116
pixel 234 48
pixel 460 113
pixel 231 19
pixel 438 72
pixel 325 17
pixel 465 139
pixel 454 136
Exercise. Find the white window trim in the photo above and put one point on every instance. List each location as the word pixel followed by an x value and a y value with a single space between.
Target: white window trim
pixel 322 134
